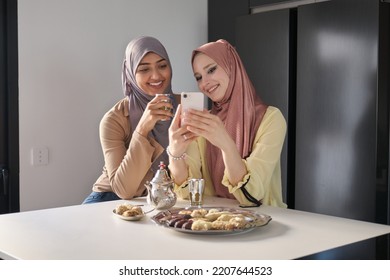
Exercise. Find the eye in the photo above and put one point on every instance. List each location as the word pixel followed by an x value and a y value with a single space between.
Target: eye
pixel 143 69
pixel 212 69
pixel 163 66
pixel 198 77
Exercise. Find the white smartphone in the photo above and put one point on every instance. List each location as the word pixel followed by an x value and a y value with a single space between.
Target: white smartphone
pixel 193 100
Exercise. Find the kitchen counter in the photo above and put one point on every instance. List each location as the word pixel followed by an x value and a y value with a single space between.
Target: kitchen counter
pixel 93 232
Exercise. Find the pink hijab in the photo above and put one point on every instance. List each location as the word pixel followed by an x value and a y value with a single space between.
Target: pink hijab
pixel 241 110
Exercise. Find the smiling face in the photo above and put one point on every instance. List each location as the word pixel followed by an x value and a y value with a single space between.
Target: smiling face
pixel 211 78
pixel 153 74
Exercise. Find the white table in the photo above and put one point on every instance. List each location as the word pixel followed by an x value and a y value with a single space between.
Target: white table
pixel 93 232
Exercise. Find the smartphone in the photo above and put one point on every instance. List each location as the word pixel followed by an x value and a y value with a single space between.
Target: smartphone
pixel 193 100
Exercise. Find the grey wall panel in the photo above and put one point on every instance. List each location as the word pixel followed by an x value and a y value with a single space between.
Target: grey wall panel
pixel 221 16
pixel 262 41
pixel 336 109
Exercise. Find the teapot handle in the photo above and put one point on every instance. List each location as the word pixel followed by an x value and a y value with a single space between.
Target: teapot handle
pixel 147 185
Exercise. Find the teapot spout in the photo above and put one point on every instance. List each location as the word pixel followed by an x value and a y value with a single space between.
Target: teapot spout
pixel 149 198
pixel 148 186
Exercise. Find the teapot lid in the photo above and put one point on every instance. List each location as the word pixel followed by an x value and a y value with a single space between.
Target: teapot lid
pixel 161 176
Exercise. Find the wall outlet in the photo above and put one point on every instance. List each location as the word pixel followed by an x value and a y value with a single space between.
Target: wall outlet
pixel 39 156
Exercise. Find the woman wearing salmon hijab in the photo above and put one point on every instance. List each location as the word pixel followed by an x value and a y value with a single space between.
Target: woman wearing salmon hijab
pixel 134 133
pixel 235 147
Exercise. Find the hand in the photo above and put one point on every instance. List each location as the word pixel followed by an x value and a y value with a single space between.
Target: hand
pixel 158 109
pixel 179 136
pixel 209 126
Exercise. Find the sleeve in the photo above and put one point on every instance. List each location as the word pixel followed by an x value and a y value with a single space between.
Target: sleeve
pixel 126 167
pixel 264 161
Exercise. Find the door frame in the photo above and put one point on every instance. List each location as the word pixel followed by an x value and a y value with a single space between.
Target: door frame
pixel 9 95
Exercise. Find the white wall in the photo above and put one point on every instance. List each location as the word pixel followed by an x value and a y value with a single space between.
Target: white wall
pixel 70 57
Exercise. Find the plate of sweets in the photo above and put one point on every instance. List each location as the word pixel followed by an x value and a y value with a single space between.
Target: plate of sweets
pixel 211 220
pixel 129 212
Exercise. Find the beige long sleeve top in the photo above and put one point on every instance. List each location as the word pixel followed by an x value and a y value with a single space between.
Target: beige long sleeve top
pixel 127 156
pixel 263 178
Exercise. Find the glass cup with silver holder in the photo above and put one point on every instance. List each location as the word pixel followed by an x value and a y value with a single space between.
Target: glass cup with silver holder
pixel 167 100
pixel 196 190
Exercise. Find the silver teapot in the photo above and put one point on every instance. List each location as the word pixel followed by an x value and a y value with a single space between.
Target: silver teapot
pixel 160 190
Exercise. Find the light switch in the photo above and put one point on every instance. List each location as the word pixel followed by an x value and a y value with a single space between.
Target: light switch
pixel 39 156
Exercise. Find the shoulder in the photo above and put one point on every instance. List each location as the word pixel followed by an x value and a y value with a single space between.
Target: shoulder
pixel 273 115
pixel 120 108
pixel 118 114
pixel 273 112
pixel 273 121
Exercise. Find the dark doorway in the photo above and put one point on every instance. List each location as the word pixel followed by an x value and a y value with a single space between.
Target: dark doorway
pixel 9 114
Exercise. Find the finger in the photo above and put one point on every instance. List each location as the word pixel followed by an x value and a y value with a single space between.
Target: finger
pixel 197 122
pixel 197 118
pixel 188 136
pixel 160 107
pixel 176 117
pixel 197 131
pixel 161 114
pixel 204 113
pixel 161 100
pixel 163 104
pixel 159 97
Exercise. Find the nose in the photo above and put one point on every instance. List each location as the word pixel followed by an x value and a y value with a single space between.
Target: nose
pixel 202 84
pixel 156 74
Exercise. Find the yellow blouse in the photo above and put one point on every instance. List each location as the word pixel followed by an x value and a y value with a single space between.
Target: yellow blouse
pixel 263 178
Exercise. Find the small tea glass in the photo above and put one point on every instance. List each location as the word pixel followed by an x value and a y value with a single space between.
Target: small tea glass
pixel 196 189
pixel 168 96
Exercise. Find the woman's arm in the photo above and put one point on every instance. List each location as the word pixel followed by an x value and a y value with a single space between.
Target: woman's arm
pixel 258 174
pixel 128 158
pixel 179 140
pixel 263 178
pixel 126 167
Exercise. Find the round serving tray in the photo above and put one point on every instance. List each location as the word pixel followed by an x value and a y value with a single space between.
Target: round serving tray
pixel 254 220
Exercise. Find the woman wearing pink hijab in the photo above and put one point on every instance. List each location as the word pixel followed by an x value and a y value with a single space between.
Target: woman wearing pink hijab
pixel 134 132
pixel 236 146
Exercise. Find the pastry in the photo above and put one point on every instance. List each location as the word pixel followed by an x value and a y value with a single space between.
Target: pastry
pixel 201 225
pixel 185 212
pixel 128 210
pixel 120 209
pixel 199 213
pixel 218 225
pixel 236 223
pixel 212 216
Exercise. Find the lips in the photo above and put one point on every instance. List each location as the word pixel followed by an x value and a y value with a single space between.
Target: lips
pixel 212 89
pixel 156 85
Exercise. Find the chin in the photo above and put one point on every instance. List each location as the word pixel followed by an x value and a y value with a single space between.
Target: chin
pixel 216 99
pixel 155 92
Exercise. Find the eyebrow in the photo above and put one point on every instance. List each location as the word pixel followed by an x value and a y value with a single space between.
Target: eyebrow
pixel 208 65
pixel 147 63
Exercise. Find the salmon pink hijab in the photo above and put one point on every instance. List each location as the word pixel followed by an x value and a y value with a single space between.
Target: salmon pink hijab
pixel 241 110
